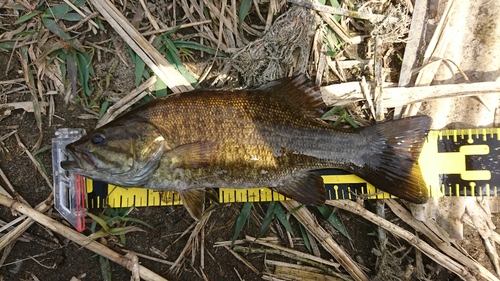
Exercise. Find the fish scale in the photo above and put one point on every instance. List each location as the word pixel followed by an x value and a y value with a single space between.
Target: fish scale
pixel 265 136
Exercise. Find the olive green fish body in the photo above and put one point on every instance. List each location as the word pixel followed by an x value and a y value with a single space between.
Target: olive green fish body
pixel 267 136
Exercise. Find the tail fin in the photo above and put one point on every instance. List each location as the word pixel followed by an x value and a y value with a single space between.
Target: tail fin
pixel 393 166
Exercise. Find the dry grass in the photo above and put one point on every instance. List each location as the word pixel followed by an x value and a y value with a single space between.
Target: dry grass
pixel 273 41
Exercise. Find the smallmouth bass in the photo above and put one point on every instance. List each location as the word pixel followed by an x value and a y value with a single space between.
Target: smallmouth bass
pixel 264 136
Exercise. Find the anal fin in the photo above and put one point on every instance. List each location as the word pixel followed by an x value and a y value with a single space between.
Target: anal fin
pixel 306 188
pixel 193 200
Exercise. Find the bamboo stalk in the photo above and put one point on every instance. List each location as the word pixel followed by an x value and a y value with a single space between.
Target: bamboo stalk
pixel 78 238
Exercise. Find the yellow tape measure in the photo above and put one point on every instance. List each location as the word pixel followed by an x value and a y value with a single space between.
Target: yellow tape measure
pixel 453 163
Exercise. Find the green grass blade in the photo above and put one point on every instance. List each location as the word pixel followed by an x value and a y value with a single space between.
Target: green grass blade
pixel 100 221
pixel 85 70
pixel 282 217
pixel 105 268
pixel 173 57
pixel 71 17
pixel 161 89
pixel 305 237
pixel 268 219
pixel 72 67
pixel 242 219
pixel 63 10
pixel 104 107
pixel 244 9
pixel 331 112
pixel 26 17
pixel 350 120
pixel 195 46
pixel 127 219
pixel 37 157
pixel 140 67
pixel 54 28
pixel 330 216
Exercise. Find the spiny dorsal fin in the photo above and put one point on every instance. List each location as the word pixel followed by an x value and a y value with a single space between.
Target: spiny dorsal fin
pixel 298 91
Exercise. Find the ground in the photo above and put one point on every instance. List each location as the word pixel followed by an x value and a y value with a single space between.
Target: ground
pixel 42 255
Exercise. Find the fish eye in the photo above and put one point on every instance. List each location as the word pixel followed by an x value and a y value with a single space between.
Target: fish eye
pixel 97 138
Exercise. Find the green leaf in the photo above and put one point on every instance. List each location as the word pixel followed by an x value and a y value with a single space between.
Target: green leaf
pixel 126 219
pixel 305 237
pixel 331 112
pixel 282 217
pixel 62 11
pixel 72 65
pixel 54 28
pixel 350 120
pixel 268 219
pixel 104 107
pixel 242 219
pixel 100 221
pixel 161 89
pixel 105 268
pixel 26 17
pixel 85 70
pixel 172 31
pixel 7 45
pixel 140 67
pixel 37 157
pixel 244 9
pixel 195 46
pixel 71 17
pixel 124 230
pixel 330 216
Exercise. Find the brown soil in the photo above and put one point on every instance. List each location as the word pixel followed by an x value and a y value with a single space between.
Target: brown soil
pixel 48 256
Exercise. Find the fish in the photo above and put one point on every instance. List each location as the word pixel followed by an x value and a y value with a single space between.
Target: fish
pixel 270 135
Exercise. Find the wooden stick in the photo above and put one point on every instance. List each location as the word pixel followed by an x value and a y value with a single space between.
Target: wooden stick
pixel 325 239
pixel 37 165
pixel 161 67
pixel 342 12
pixel 152 32
pixel 78 238
pixel 80 12
pixel 244 261
pixel 299 254
pixel 427 249
pixel 10 237
pixel 441 241
pixel 125 102
pixel 345 93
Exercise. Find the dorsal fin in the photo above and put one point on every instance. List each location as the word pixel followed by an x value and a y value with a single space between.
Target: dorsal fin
pixel 298 91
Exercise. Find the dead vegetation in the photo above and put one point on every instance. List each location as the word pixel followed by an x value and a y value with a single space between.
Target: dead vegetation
pixel 49 50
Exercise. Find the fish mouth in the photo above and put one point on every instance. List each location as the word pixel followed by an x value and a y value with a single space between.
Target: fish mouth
pixel 82 159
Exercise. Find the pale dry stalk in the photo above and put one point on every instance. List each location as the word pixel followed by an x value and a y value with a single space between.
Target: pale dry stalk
pixel 76 237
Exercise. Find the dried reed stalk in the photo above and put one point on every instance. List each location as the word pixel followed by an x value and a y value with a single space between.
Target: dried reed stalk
pixel 427 249
pixel 324 238
pixel 78 238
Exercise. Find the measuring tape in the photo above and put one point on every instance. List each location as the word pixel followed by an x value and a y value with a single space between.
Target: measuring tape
pixel 453 163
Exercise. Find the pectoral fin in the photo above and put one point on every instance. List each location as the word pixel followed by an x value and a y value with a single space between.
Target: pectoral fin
pixel 193 155
pixel 306 188
pixel 193 201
